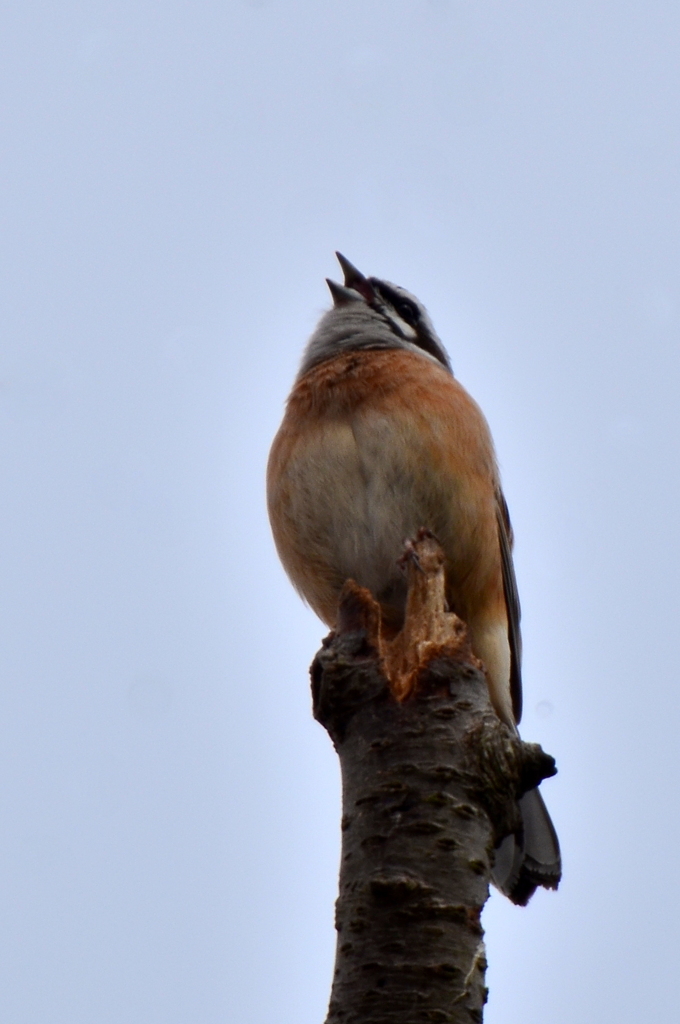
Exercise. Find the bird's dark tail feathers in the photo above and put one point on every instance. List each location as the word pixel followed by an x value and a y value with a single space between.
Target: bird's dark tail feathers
pixel 532 858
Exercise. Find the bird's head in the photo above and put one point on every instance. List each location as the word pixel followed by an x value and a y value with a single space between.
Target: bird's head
pixel 370 313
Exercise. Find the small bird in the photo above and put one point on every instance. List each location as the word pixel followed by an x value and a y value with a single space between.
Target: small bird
pixel 378 441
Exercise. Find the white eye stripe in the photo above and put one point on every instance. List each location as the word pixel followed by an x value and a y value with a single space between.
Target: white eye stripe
pixel 402 328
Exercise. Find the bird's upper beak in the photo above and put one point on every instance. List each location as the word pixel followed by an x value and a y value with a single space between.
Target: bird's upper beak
pixel 355 279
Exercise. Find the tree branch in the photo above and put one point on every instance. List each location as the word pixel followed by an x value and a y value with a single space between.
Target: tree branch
pixel 430 780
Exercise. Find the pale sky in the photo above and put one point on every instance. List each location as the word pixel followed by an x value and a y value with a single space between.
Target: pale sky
pixel 175 178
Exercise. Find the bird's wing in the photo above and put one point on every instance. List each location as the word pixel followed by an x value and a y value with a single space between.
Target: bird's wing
pixel 511 603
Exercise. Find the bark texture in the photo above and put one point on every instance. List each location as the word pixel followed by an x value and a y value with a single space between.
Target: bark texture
pixel 430 780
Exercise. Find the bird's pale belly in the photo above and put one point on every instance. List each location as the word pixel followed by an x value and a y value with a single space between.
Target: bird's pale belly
pixel 350 497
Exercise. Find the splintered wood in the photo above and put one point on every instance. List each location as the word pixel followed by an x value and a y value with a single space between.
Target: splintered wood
pixel 430 631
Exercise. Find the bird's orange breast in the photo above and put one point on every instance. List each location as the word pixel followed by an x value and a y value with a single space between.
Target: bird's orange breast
pixel 374 445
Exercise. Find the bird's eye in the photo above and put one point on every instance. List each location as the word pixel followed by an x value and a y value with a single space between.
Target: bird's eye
pixel 405 308
pixel 408 311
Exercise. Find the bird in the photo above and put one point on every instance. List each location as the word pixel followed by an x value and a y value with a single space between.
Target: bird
pixel 379 439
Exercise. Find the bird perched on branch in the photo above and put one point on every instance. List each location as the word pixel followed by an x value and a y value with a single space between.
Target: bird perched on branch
pixel 379 440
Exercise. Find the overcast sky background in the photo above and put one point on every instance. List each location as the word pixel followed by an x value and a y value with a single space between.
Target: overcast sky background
pixel 174 179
